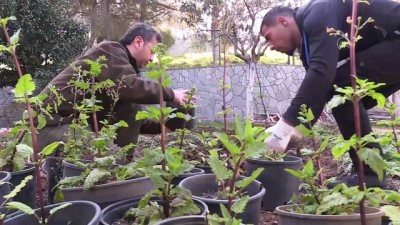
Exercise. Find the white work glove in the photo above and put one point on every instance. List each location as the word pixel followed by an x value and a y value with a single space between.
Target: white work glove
pixel 281 134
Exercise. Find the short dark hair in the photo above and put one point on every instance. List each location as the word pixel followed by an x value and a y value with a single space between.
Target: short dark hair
pixel 144 30
pixel 271 15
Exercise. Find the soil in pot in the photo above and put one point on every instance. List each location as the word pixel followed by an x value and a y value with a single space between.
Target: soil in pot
pixel 113 214
pixel 184 220
pixel 78 213
pixel 205 184
pixel 279 185
pixel 287 217
pixel 193 172
pixel 27 195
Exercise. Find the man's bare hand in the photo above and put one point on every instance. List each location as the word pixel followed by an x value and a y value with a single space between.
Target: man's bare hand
pixel 181 96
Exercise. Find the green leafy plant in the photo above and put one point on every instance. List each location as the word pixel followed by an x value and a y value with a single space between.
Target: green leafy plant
pixel 318 200
pixel 23 90
pixel 164 163
pixel 306 117
pixel 247 142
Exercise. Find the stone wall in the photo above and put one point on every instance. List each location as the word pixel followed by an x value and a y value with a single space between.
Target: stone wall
pixel 279 83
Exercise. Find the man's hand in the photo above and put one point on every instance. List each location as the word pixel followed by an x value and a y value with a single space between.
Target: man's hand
pixel 281 134
pixel 181 96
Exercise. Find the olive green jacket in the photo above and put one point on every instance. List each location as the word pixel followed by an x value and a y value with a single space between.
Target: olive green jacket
pixel 133 92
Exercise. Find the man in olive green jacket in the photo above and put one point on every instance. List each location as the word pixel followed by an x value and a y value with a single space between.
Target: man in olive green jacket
pixel 124 59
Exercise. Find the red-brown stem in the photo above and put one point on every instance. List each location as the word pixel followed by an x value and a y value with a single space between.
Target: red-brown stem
pixel 356 107
pixel 32 129
pixel 321 175
pixel 13 54
pixel 163 147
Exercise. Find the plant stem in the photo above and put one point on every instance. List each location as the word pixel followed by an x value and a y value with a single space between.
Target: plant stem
pixel 393 117
pixel 95 121
pixel 32 130
pixel 163 147
pixel 261 92
pixel 224 91
pixel 184 125
pixel 314 192
pixel 356 106
pixel 314 143
pixel 231 197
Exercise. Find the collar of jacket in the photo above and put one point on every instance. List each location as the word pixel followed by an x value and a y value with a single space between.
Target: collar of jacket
pixel 132 60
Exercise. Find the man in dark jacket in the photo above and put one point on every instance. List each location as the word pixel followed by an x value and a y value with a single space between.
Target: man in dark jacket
pixel 124 59
pixel 377 55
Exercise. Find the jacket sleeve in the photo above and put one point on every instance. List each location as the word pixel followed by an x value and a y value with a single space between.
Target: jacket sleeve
pixel 317 85
pixel 134 88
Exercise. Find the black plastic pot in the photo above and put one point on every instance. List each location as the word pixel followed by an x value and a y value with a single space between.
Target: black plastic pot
pixel 70 169
pixel 117 210
pixel 53 169
pixel 207 169
pixel 184 220
pixel 287 217
pixel 106 194
pixel 27 195
pixel 279 185
pixel 4 188
pixel 206 183
pixel 193 172
pixel 79 213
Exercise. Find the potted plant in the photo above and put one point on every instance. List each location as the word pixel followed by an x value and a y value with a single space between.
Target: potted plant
pixel 91 165
pixel 45 215
pixel 320 205
pixel 162 165
pixel 225 190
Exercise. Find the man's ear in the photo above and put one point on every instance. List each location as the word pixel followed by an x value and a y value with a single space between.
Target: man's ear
pixel 138 41
pixel 283 21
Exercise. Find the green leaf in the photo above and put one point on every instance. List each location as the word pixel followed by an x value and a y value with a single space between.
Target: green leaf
pixel 166 82
pixel 308 169
pixel 380 98
pixel 393 212
pixel 248 180
pixel 310 115
pixel 240 205
pixel 224 211
pixel 343 146
pixel 24 86
pixel 336 101
pixel 239 128
pixel 49 149
pixel 14 39
pixel 173 159
pixel 18 188
pixel 333 200
pixel 373 158
pixel 21 206
pixel 219 169
pixel 55 209
pixel 94 177
pixel 232 148
pixel 42 121
pixel 24 150
pixel 304 130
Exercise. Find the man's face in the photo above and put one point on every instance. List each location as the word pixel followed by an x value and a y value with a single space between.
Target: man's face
pixel 279 37
pixel 144 53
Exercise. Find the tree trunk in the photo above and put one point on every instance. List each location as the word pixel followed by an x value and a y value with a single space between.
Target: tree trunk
pixel 215 43
pixel 250 89
pixel 106 19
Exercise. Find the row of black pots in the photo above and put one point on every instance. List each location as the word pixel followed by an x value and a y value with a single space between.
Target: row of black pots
pixel 27 195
